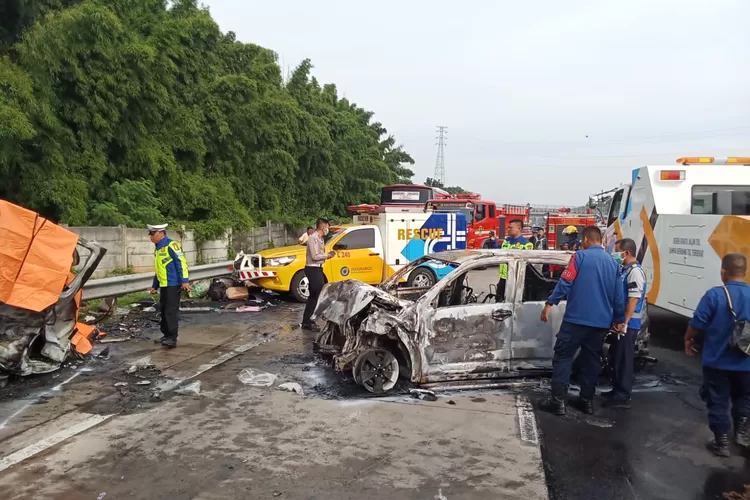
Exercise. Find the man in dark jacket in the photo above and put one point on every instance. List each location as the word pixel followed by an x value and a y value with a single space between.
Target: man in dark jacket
pixel 591 282
pixel 726 369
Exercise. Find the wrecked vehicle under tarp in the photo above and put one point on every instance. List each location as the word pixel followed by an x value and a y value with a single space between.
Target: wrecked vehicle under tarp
pixel 449 333
pixel 39 295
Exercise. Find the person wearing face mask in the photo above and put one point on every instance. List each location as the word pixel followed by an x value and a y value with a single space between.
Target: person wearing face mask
pixel 595 300
pixel 315 257
pixel 622 348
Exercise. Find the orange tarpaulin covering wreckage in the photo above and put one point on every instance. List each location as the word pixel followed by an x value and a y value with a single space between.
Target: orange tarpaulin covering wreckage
pixel 39 296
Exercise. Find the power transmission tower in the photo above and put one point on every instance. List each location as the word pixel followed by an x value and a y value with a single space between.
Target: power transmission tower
pixel 440 161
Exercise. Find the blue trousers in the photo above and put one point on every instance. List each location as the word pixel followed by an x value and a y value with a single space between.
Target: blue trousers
pixel 570 338
pixel 622 358
pixel 722 388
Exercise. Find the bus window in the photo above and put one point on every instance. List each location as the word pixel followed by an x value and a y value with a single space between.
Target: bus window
pixel 721 200
pixel 614 207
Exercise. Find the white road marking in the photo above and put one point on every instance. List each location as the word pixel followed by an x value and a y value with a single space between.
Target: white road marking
pixel 48 442
pixel 526 420
pixel 227 356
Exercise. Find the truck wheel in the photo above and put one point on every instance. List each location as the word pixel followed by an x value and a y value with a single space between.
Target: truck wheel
pixel 300 287
pixel 421 277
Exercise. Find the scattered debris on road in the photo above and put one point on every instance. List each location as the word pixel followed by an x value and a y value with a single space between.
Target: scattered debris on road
pixel 191 389
pixel 292 387
pixel 423 394
pixel 256 378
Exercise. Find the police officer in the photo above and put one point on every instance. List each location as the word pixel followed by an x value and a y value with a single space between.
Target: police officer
pixel 726 369
pixel 591 282
pixel 622 348
pixel 514 241
pixel 571 239
pixel 171 277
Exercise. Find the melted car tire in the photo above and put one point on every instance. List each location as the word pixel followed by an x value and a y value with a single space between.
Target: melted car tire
pixel 376 370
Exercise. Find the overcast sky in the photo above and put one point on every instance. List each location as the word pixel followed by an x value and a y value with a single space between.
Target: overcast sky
pixel 520 85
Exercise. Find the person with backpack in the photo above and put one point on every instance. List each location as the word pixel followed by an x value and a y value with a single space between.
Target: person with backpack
pixel 722 318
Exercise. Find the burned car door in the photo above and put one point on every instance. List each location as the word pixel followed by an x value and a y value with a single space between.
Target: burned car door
pixel 467 335
pixel 533 341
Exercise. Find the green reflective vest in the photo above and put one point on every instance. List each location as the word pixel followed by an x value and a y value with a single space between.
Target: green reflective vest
pixel 503 270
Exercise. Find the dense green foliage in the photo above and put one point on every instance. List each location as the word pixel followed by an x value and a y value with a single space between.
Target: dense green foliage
pixel 135 111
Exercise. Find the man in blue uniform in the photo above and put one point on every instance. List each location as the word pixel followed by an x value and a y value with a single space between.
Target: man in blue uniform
pixel 514 241
pixel 171 277
pixel 726 369
pixel 591 282
pixel 622 348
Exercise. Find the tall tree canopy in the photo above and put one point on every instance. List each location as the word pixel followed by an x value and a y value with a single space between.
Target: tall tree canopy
pixel 128 111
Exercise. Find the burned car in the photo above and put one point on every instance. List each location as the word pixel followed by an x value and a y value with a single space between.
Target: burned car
pixel 39 293
pixel 457 333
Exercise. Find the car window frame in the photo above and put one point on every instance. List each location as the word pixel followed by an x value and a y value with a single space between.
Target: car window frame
pixel 355 230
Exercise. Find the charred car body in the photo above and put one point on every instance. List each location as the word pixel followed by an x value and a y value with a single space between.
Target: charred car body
pixel 39 295
pixel 455 333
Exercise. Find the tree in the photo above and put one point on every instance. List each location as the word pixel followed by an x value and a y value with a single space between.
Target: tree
pixel 451 189
pixel 127 111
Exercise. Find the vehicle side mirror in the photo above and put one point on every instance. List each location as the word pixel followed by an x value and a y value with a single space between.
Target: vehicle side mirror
pixel 339 246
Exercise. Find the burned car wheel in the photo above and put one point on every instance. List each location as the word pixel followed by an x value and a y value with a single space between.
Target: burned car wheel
pixel 421 278
pixel 376 370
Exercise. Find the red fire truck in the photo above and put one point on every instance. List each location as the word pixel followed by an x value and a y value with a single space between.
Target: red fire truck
pixel 557 222
pixel 482 216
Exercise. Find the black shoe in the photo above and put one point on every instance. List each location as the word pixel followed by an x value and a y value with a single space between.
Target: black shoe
pixel 170 343
pixel 584 405
pixel 312 327
pixel 553 405
pixel 719 446
pixel 160 340
pixel 742 432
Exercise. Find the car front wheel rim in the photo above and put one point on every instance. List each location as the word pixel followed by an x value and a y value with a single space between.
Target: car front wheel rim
pixel 304 287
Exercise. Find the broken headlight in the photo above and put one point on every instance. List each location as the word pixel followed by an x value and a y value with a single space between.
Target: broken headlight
pixel 278 261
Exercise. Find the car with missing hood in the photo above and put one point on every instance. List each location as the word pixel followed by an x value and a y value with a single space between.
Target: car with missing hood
pixel 454 333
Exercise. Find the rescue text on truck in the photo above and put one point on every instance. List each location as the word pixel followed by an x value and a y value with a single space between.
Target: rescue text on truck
pixel 684 220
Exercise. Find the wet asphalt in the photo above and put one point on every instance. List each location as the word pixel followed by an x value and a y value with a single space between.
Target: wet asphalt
pixel 655 450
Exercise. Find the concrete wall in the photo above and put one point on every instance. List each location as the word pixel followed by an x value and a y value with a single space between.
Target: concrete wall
pixel 128 247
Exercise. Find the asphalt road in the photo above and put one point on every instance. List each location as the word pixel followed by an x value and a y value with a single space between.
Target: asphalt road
pixel 74 435
pixel 655 450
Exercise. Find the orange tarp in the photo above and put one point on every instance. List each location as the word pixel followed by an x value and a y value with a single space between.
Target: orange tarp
pixel 35 258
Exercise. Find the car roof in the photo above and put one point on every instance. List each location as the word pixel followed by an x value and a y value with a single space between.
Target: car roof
pixel 463 256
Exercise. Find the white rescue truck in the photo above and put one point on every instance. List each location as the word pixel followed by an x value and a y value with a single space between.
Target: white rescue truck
pixel 684 219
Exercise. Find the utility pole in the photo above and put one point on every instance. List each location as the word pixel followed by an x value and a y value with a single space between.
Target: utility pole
pixel 440 160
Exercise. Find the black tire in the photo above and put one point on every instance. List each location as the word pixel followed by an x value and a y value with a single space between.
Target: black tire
pixel 422 277
pixel 299 287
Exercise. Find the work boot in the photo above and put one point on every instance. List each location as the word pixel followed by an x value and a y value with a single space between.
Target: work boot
pixel 585 402
pixel 742 432
pixel 555 403
pixel 719 446
pixel 160 340
pixel 170 343
pixel 311 327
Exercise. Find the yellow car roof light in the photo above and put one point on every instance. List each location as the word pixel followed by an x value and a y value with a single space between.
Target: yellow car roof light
pixel 695 159
pixel 739 160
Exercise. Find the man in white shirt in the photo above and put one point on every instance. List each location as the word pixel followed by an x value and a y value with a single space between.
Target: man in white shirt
pixel 302 240
pixel 315 257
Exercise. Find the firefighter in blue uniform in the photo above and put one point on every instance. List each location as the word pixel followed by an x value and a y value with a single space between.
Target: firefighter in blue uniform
pixel 514 241
pixel 170 279
pixel 592 284
pixel 622 347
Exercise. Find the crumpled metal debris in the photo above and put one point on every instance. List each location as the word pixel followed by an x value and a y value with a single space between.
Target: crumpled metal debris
pixel 191 389
pixel 423 394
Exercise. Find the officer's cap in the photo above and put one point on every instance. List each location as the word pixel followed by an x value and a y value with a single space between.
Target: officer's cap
pixel 154 228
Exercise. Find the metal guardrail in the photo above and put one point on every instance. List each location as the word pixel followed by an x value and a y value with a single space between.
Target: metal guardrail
pixel 123 285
